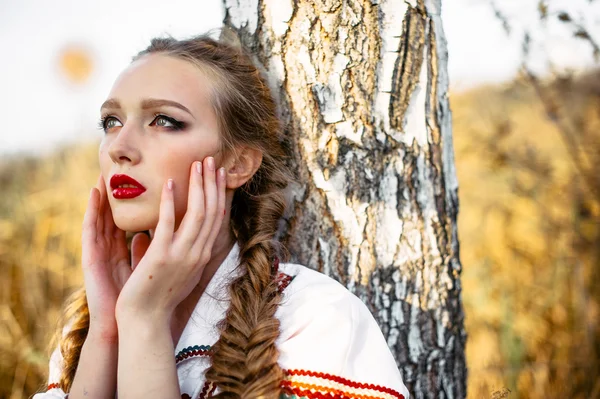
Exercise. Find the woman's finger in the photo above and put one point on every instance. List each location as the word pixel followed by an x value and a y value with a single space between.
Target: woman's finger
pixel 108 221
pixel 139 246
pixel 166 218
pixel 122 271
pixel 210 199
pixel 90 217
pixel 220 215
pixel 121 243
pixel 101 206
pixel 190 226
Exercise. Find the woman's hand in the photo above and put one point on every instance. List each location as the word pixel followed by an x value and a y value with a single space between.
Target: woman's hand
pixel 173 263
pixel 105 261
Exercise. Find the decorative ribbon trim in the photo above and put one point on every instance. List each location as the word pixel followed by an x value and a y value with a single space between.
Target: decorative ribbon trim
pixel 283 280
pixel 305 384
pixel 192 351
pixel 207 390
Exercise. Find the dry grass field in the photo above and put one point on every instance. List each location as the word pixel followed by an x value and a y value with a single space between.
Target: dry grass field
pixel 41 210
pixel 529 227
pixel 529 230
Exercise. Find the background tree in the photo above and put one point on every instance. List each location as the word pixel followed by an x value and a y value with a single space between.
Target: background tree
pixel 363 92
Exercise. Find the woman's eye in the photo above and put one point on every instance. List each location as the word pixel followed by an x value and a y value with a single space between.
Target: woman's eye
pixel 167 122
pixel 112 122
pixel 162 121
pixel 109 122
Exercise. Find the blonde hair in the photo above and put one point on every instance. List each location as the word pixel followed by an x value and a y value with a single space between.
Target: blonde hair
pixel 244 359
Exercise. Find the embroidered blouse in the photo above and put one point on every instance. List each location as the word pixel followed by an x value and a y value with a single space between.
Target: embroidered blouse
pixel 330 345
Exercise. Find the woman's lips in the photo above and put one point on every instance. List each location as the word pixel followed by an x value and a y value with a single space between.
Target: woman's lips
pixel 133 189
pixel 127 192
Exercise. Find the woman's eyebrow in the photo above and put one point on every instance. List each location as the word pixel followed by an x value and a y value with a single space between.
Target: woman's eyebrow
pixel 110 103
pixel 147 104
pixel 155 103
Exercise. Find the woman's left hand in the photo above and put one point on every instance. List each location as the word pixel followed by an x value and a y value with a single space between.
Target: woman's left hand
pixel 174 261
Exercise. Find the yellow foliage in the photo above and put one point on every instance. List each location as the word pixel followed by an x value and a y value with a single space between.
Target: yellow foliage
pixel 530 233
pixel 41 211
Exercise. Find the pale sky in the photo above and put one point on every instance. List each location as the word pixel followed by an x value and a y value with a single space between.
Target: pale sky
pixel 40 108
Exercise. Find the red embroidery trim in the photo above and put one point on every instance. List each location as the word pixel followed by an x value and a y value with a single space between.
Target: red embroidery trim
pixel 340 380
pixel 204 392
pixel 283 280
pixel 301 394
pixel 54 385
pixel 186 354
pixel 212 390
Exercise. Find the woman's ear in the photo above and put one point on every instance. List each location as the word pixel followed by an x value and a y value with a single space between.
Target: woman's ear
pixel 241 168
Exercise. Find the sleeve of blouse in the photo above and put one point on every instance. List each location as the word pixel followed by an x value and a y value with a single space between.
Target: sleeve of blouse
pixel 52 390
pixel 331 345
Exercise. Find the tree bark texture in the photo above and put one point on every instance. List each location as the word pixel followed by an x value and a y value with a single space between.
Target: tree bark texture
pixel 362 86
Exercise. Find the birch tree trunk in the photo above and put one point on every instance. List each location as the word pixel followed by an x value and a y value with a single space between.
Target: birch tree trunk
pixel 363 87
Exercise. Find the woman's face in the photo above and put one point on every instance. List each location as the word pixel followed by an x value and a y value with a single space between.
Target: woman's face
pixel 158 120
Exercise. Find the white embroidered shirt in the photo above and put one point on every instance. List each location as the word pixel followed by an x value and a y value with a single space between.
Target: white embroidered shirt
pixel 330 345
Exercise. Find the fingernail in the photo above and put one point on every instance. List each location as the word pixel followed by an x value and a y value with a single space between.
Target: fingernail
pixel 222 172
pixel 170 184
pixel 211 163
pixel 199 167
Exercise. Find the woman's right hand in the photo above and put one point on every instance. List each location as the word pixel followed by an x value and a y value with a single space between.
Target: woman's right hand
pixel 105 261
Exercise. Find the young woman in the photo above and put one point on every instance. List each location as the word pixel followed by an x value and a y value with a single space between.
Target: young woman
pixel 201 307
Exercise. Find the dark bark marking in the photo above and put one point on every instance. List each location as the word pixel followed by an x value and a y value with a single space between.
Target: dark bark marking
pixel 408 65
pixel 434 150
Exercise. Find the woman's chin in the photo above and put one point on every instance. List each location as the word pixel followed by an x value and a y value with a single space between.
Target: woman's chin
pixel 134 224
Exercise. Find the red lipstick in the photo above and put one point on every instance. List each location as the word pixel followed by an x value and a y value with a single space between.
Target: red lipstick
pixel 125 187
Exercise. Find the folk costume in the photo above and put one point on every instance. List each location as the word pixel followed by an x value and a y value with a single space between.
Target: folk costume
pixel 330 345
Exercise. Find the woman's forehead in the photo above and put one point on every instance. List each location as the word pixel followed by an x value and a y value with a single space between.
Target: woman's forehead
pixel 166 77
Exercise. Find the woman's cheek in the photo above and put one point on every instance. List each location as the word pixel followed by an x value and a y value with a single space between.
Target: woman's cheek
pixel 103 156
pixel 181 199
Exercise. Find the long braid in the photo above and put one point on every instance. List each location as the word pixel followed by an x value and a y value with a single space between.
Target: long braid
pixel 247 341
pixel 77 317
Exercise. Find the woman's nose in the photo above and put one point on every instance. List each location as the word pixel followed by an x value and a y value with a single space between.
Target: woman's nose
pixel 124 148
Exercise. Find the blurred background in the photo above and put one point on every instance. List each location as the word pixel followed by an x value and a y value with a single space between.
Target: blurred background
pixel 525 95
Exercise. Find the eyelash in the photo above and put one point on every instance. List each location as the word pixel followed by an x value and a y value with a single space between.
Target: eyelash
pixel 177 125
